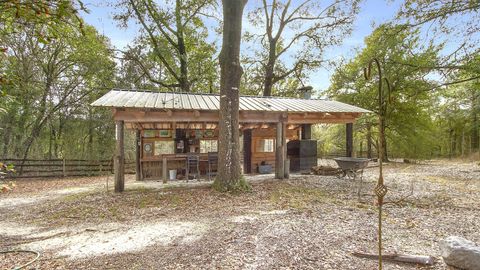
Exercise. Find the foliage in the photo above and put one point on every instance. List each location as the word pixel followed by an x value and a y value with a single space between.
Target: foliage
pixel 299 31
pixel 409 127
pixel 18 14
pixel 172 50
pixel 52 66
pixel 458 118
pixel 5 170
pixel 51 85
pixel 453 24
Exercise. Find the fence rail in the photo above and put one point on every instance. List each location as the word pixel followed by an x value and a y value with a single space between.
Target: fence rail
pixel 50 168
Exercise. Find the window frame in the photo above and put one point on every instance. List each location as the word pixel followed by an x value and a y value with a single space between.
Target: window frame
pixel 263 150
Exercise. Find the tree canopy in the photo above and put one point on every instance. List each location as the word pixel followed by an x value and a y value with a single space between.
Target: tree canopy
pixel 53 65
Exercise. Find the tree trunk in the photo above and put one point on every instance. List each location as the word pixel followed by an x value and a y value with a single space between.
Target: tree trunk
pixel 184 83
pixel 119 162
pixel 6 139
pixel 475 128
pixel 50 140
pixel 384 138
pixel 453 142
pixel 369 140
pixel 269 70
pixel 450 142
pixel 89 154
pixel 229 174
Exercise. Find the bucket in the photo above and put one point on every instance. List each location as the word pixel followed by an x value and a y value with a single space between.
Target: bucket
pixel 173 174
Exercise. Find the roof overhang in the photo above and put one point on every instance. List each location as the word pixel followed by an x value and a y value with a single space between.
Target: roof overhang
pixel 145 106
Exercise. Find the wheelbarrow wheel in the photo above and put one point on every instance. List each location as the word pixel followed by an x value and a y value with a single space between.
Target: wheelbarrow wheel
pixel 351 174
pixel 341 173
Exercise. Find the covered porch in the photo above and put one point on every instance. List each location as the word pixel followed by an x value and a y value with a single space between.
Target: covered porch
pixel 173 128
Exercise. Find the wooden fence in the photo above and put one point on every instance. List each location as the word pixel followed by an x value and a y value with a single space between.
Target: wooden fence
pixel 46 168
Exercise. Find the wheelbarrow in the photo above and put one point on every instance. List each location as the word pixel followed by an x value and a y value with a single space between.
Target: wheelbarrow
pixel 351 168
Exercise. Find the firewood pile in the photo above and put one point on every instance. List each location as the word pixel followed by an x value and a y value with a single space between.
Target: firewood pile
pixel 325 170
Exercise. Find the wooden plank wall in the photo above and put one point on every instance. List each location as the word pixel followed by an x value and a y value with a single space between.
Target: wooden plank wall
pixel 269 158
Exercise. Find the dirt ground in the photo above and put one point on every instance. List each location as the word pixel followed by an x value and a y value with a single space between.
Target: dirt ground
pixel 306 222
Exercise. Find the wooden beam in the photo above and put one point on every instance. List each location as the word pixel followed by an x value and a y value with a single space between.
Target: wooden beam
pixel 138 173
pixel 119 161
pixel 164 170
pixel 349 139
pixel 279 156
pixel 285 170
pixel 133 115
pixel 404 258
pixel 183 116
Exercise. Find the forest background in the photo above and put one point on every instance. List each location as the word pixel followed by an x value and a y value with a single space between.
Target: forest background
pixel 53 64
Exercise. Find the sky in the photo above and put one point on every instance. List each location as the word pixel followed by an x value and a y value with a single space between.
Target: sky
pixel 372 13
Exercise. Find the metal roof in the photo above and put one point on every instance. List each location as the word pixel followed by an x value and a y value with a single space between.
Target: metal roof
pixel 140 99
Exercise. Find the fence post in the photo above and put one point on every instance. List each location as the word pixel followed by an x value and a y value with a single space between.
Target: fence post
pixel 64 168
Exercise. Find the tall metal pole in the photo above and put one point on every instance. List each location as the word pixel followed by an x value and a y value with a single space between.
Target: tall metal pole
pixel 380 189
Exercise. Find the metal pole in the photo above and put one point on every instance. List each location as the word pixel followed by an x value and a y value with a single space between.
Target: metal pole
pixel 380 189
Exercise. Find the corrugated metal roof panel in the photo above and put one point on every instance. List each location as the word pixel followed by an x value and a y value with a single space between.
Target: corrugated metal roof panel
pixel 211 102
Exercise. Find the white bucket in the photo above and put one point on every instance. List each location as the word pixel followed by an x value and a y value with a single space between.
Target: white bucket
pixel 173 174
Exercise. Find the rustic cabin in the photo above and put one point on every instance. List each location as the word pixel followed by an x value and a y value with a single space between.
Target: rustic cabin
pixel 176 133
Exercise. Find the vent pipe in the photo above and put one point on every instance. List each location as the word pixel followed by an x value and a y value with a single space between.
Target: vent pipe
pixel 306 91
pixel 306 130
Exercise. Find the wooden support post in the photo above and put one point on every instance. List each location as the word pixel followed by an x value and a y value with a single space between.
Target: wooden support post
pixel 164 170
pixel 119 166
pixel 349 139
pixel 287 169
pixel 284 145
pixel 279 152
pixel 247 151
pixel 138 173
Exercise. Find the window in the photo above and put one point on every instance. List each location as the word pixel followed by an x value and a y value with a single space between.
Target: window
pixel 265 145
pixel 164 147
pixel 208 146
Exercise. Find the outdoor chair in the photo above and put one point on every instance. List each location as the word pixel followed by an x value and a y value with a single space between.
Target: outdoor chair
pixel 193 166
pixel 212 164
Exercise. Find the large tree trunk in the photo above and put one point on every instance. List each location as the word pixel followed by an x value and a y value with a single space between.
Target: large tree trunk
pixel 229 173
pixel 184 83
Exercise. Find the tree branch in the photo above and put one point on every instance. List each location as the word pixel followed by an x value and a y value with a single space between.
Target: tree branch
pixel 154 41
